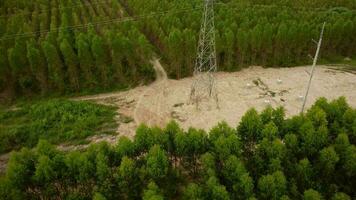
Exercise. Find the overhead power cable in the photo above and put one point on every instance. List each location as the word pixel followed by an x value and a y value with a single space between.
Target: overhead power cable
pixel 296 8
pixel 59 8
pixel 140 17
pixel 98 23
pixel 300 8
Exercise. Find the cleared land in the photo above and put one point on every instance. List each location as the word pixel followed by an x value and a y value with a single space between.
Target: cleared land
pixel 257 87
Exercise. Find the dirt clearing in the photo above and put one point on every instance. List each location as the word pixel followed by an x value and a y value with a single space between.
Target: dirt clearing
pixel 256 87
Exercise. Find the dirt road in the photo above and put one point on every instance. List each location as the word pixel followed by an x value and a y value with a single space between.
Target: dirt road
pixel 153 115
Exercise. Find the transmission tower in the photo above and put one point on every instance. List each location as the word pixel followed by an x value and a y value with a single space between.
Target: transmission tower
pixel 204 83
pixel 313 67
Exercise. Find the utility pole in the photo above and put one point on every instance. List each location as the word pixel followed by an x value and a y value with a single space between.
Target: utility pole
pixel 313 67
pixel 204 84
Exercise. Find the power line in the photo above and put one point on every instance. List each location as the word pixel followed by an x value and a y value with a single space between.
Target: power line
pixel 300 8
pixel 116 20
pixel 136 18
pixel 59 8
pixel 296 8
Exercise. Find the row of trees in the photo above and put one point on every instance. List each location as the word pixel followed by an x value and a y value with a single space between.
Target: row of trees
pixel 310 4
pixel 250 33
pixel 71 46
pixel 44 52
pixel 311 157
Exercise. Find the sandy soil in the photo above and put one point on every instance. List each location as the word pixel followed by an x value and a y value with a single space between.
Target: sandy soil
pixel 257 87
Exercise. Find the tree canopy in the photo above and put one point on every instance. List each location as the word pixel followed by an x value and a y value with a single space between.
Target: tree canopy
pixel 170 163
pixel 60 47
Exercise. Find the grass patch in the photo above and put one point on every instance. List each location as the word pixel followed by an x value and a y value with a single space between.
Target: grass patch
pixel 341 62
pixel 54 120
pixel 350 64
pixel 126 119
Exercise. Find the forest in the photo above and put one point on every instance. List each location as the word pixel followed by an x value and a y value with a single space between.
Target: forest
pixel 66 47
pixel 311 156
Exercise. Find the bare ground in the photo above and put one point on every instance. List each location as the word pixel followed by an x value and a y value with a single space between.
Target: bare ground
pixel 257 87
pixel 4 158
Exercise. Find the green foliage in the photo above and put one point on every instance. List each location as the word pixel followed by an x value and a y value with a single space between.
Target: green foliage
pixel 101 59
pixel 38 65
pixel 270 131
pixel 55 66
pixel 54 120
pixel 215 190
pixel 304 173
pixel 249 130
pixel 127 178
pixel 125 147
pixel 350 161
pixel 44 170
pixel 328 159
pixel 341 196
pixel 272 186
pixel 86 60
pixel 19 168
pixel 190 145
pixel 208 163
pixel 177 164
pixel 152 192
pixel 71 61
pixel 117 55
pixel 98 196
pixel 193 192
pixel 311 195
pixel 237 178
pixel 145 138
pixel 157 163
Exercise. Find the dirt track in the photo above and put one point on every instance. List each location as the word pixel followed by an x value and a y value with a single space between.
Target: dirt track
pixel 153 115
pixel 142 104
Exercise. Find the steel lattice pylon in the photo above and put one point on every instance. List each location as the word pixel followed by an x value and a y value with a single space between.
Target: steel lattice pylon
pixel 204 83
